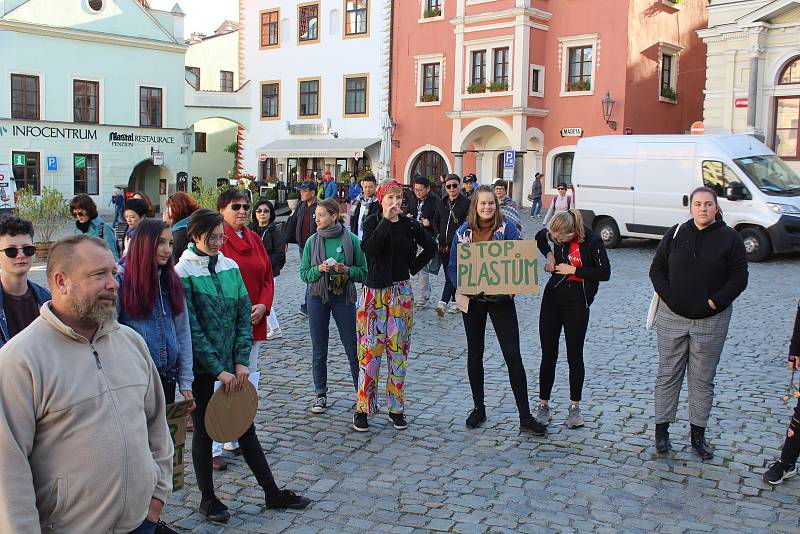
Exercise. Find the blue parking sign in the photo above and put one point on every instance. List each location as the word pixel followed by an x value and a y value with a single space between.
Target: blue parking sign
pixel 52 163
pixel 508 159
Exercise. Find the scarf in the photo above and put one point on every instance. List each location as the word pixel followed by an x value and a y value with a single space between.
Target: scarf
pixel 332 282
pixel 483 232
pixel 83 227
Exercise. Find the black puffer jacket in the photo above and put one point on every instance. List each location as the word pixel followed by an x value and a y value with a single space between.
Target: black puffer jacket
pixel 595 269
pixel 275 245
pixel 696 266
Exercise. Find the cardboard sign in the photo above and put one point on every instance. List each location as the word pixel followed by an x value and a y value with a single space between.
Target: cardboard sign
pixel 497 268
pixel 229 416
pixel 176 419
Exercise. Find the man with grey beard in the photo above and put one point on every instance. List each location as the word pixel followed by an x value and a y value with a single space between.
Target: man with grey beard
pixel 84 443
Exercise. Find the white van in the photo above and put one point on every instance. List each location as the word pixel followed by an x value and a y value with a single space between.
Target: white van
pixel 8 188
pixel 639 185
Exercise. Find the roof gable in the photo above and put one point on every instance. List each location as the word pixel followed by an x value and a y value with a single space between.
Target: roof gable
pixel 118 17
pixel 776 12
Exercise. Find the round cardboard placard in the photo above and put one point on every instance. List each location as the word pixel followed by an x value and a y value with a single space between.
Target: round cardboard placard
pixel 229 416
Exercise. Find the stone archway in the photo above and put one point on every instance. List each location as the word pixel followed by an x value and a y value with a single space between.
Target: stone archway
pixel 151 179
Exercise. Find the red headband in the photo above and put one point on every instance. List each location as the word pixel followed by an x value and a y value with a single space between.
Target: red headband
pixel 385 187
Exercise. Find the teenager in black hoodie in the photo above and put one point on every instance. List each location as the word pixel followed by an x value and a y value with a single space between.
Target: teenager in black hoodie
pixel 786 467
pixel 699 269
pixel 579 263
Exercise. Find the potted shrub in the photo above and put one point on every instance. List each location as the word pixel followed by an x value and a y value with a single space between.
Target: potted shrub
pixel 435 12
pixel 498 86
pixel 48 213
pixel 293 199
pixel 476 88
pixel 270 193
pixel 429 98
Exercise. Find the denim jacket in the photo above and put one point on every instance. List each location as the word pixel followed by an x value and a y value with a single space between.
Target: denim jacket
pixel 168 339
pixel 42 295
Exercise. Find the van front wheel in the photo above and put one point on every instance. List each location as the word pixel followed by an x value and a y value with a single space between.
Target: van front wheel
pixel 608 231
pixel 756 243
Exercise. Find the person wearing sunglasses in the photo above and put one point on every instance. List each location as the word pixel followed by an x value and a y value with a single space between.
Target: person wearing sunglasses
pixel 220 319
pixel 275 245
pixel 451 214
pixel 562 202
pixel 88 222
pixel 245 247
pixel 578 263
pixel 20 299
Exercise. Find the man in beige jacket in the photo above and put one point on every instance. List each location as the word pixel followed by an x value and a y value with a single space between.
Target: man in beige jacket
pixel 84 443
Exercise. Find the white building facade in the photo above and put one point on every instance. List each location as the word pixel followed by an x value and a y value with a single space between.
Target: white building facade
pixel 753 76
pixel 319 72
pixel 93 96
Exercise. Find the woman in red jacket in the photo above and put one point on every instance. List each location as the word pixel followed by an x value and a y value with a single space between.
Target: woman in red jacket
pixel 245 247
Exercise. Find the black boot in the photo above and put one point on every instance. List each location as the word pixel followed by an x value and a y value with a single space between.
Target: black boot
pixel 698 435
pixel 663 445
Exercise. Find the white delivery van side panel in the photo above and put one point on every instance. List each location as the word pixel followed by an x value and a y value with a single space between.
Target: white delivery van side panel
pixel 603 175
pixel 665 174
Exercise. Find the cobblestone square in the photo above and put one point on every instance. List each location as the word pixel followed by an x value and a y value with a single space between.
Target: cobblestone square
pixel 438 476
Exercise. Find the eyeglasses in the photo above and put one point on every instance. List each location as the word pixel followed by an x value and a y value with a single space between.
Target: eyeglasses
pixel 561 188
pixel 237 207
pixel 265 210
pixel 78 213
pixel 13 252
pixel 451 186
pixel 217 240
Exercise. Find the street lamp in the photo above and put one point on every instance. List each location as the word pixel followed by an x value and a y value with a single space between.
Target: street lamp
pixel 608 108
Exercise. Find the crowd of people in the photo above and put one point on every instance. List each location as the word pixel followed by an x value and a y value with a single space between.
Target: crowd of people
pixel 91 363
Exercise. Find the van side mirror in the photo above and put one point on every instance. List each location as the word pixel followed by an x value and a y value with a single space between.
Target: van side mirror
pixel 735 192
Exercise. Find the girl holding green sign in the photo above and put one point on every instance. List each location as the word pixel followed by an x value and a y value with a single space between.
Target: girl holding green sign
pixel 485 222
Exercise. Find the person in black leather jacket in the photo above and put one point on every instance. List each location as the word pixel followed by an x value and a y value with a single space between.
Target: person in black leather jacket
pixel 451 214
pixel 578 263
pixel 275 244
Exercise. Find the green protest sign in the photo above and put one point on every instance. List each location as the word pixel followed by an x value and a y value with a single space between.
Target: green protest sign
pixel 497 268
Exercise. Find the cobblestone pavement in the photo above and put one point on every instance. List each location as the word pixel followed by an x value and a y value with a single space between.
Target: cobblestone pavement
pixel 439 476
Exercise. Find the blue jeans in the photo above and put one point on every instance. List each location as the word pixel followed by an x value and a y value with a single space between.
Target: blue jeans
pixel 449 289
pixel 319 318
pixel 536 207
pixel 148 527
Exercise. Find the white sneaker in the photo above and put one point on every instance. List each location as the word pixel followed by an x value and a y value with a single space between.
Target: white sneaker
pixel 272 334
pixel 453 308
pixel 320 405
pixel 440 308
pixel 231 446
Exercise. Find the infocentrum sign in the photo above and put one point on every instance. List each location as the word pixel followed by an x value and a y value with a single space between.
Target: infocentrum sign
pixel 53 132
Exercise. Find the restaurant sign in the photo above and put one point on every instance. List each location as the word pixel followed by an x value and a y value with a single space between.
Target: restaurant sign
pixel 309 129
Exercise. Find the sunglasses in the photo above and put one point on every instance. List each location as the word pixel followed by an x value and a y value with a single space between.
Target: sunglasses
pixel 237 207
pixel 561 189
pixel 78 213
pixel 262 211
pixel 13 252
pixel 451 186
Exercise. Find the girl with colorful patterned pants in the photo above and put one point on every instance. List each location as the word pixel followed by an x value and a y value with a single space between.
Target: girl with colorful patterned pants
pixel 386 304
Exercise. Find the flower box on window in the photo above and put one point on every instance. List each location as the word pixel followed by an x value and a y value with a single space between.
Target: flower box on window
pixel 429 98
pixel 498 86
pixel 476 88
pixel 434 12
pixel 583 85
pixel 669 93
pixel 675 4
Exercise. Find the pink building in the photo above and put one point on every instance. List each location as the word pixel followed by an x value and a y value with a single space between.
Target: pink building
pixel 472 78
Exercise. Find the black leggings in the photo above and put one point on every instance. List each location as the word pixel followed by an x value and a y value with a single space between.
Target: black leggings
pixel 504 320
pixel 203 389
pixel 791 447
pixel 563 307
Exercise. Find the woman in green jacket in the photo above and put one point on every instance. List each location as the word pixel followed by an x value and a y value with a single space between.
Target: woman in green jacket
pixel 222 335
pixel 332 264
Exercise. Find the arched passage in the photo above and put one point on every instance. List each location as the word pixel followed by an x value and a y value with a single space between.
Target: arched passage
pixel 152 179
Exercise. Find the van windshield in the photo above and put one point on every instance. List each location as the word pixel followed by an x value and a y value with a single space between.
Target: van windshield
pixel 771 175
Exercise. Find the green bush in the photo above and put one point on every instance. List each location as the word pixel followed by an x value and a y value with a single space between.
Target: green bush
pixel 48 212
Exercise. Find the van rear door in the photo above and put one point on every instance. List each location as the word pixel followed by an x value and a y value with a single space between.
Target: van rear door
pixel 664 178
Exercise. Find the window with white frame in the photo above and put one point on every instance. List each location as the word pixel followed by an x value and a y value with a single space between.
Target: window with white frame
pixel 500 75
pixel 489 64
pixel 668 55
pixel 536 82
pixel 478 67
pixel 578 64
pixel 430 71
pixel 432 8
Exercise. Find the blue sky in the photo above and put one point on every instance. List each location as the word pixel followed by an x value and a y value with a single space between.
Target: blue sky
pixel 202 15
